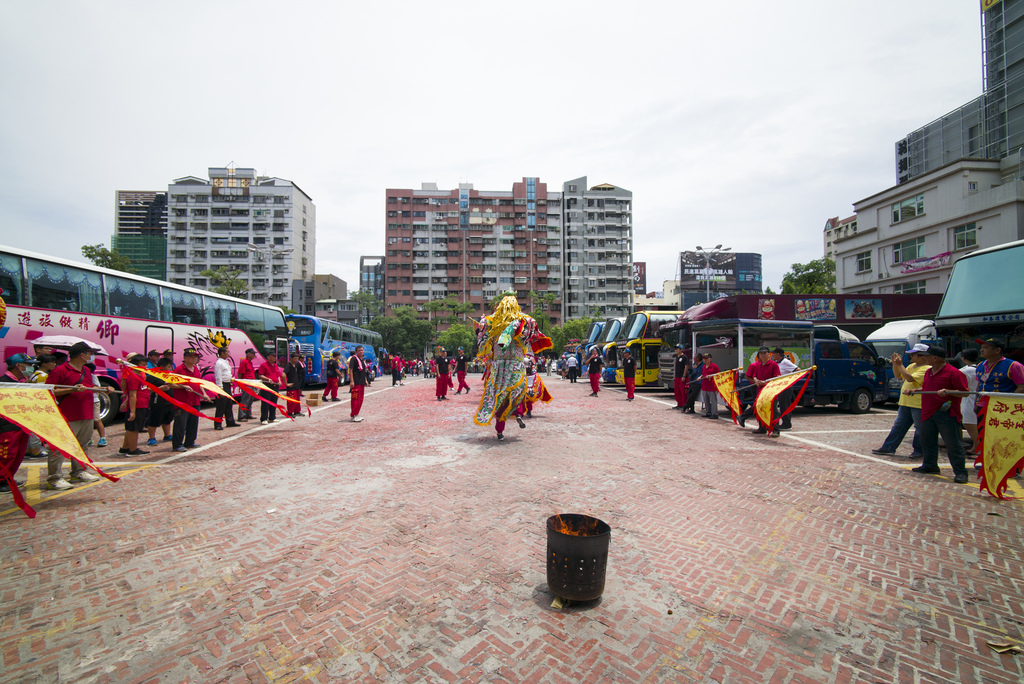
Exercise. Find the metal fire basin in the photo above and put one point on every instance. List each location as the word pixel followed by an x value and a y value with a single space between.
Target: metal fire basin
pixel 577 563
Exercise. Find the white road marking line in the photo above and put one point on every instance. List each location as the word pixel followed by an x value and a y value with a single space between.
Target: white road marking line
pixel 843 451
pixel 831 432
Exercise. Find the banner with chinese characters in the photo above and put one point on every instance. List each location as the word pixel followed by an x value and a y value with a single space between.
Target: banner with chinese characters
pixel 925 263
pixel 725 382
pixel 1002 443
pixel 764 407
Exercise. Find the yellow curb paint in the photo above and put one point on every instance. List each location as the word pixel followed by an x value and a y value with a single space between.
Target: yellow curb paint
pixel 35 492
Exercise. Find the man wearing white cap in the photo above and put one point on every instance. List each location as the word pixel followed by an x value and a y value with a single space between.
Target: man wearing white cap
pixel 910 404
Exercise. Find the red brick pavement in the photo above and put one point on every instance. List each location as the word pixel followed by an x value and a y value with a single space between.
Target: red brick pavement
pixel 410 548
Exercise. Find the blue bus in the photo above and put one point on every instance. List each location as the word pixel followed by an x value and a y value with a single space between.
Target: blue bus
pixel 317 338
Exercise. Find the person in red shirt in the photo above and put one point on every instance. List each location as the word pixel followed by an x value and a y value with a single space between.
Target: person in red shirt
pixel 759 373
pixel 940 415
pixel 75 404
pixel 359 372
pixel 186 425
pixel 270 374
pixel 13 440
pixel 247 371
pixel 708 389
pixel 136 398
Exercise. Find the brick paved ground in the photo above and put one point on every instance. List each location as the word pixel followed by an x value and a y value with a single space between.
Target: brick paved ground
pixel 410 547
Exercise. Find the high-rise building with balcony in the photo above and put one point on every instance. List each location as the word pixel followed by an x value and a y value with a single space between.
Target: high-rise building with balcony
pixel 598 235
pixel 140 230
pixel 474 244
pixel 262 227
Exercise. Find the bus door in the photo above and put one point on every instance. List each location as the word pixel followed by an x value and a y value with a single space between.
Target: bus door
pixel 158 337
pixel 281 348
pixel 649 375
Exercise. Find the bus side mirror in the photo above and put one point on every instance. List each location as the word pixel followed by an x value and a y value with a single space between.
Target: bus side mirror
pixel 879 362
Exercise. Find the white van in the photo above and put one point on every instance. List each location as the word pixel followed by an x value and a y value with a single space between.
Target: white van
pixel 897 337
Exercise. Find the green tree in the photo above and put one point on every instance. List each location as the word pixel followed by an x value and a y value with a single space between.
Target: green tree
pixel 225 281
pixel 570 330
pixel 369 305
pixel 403 333
pixel 814 277
pixel 107 258
pixel 452 309
pixel 458 335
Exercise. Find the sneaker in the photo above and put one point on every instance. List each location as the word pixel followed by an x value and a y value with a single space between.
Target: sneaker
pixel 122 450
pixel 264 422
pixel 529 414
pixel 335 399
pixel 180 449
pixel 961 479
pixel 218 427
pixel 926 470
pixel 500 436
pixel 742 420
pixel 137 452
pixel 193 445
pixel 84 476
pixel 916 454
pixel 520 421
pixel 102 442
pixel 883 452
pixel 59 485
pixel 760 431
pixel 168 438
pixel 357 419
pixel 89 443
pixel 151 442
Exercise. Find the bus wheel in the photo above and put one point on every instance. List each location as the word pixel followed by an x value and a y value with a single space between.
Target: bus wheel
pixel 860 402
pixel 109 405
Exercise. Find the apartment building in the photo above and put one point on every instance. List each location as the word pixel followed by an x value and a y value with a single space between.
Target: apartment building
pixel 472 244
pixel 837 229
pixel 598 235
pixel 261 226
pixel 140 230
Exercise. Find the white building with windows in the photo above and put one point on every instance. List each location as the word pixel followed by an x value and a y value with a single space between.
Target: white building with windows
pixel 263 227
pixel 598 225
pixel 906 239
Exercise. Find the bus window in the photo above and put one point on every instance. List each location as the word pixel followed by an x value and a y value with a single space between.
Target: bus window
pixel 250 319
pixel 126 297
pixel 220 312
pixel 346 335
pixel 651 356
pixel 273 323
pixel 52 286
pixel 10 279
pixel 304 327
pixel 658 320
pixel 183 307
pixel 335 334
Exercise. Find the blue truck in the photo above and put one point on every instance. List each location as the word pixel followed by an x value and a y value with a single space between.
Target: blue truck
pixel 849 374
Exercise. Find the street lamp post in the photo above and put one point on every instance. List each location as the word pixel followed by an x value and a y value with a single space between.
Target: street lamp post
pixel 708 255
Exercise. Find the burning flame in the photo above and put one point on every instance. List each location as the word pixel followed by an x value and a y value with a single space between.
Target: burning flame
pixel 576 525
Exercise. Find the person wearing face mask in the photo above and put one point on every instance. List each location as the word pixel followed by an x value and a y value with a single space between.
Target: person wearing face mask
pixel 75 404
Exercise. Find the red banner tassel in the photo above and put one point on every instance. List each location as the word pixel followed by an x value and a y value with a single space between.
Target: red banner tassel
pixel 172 400
pixel 10 442
pixel 248 390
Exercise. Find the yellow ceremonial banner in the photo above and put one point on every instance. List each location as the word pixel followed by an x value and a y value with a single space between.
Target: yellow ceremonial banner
pixel 765 404
pixel 260 387
pixel 725 382
pixel 177 379
pixel 1002 444
pixel 36 411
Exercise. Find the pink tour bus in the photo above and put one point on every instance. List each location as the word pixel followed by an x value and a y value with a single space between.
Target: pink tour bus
pixel 125 313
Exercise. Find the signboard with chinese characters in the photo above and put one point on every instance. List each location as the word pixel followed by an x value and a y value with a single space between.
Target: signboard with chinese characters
pixel 925 263
pixel 639 277
pixel 864 309
pixel 816 309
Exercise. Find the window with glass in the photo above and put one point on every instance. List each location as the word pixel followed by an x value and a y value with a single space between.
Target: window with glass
pixel 10 279
pixel 52 286
pixel 965 236
pixel 915 287
pixel 907 209
pixel 128 297
pixel 863 262
pixel 183 307
pixel 908 250
pixel 220 312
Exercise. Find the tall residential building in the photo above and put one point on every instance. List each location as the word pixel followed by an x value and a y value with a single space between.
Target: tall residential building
pixel 990 126
pixel 263 227
pixel 140 231
pixel 598 233
pixel 473 244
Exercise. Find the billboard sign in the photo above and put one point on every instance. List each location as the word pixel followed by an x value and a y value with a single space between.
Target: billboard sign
pixel 639 277
pixel 816 309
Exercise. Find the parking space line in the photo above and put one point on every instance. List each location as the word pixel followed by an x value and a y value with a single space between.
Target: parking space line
pixel 789 435
pixel 34 488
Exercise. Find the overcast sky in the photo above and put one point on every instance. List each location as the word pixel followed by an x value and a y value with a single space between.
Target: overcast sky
pixel 746 123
